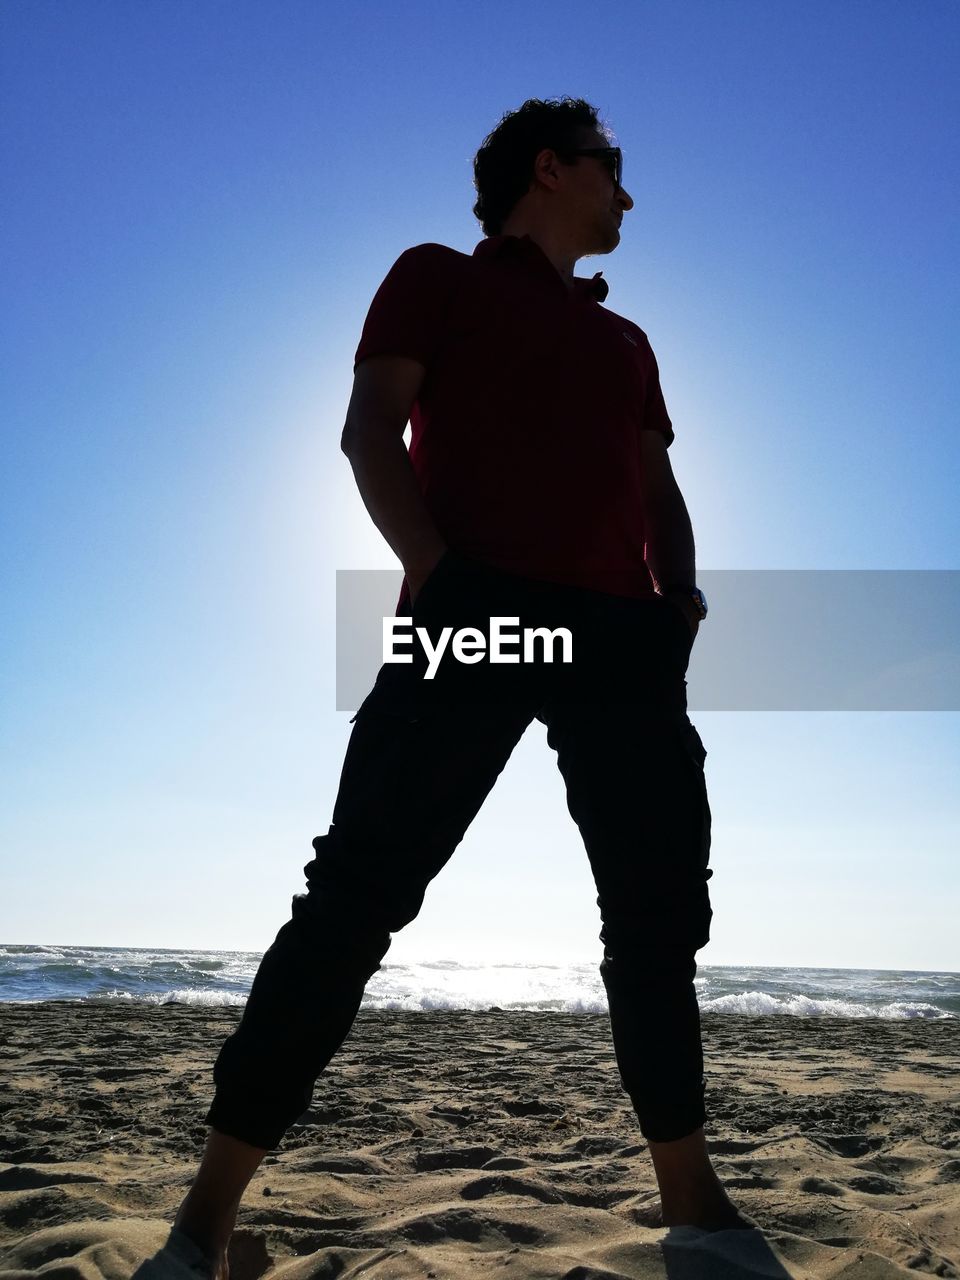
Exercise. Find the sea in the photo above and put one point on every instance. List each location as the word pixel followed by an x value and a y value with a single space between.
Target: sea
pixel 217 978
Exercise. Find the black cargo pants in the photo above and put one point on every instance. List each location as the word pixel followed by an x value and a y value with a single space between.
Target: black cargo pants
pixel 422 757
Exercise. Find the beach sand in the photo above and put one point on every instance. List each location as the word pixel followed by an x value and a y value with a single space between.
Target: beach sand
pixel 458 1144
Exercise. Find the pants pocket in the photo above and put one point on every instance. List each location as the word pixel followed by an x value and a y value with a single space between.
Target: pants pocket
pixel 435 579
pixel 694 744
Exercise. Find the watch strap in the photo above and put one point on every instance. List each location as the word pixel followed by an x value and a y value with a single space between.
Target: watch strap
pixel 692 591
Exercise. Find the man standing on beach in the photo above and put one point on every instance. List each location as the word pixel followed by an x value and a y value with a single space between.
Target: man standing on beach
pixel 537 487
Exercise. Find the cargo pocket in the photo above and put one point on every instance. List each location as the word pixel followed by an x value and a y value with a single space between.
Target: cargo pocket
pixel 697 754
pixel 694 745
pixel 395 694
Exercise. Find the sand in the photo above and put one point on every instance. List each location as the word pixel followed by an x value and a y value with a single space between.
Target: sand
pixel 455 1144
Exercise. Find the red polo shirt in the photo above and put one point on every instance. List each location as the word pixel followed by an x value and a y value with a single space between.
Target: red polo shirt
pixel 525 434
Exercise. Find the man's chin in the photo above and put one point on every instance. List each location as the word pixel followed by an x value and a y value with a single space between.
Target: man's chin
pixel 612 236
pixel 604 243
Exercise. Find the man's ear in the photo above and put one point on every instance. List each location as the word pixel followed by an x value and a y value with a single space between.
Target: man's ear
pixel 546 168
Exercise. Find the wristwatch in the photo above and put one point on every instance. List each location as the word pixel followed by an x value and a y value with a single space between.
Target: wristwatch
pixel 695 594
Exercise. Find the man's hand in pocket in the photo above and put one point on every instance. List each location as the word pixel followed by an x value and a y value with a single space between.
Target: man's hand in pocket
pixel 417 573
pixel 685 604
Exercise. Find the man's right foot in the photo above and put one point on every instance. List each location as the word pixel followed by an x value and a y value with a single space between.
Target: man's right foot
pixel 717 1213
pixel 207 1259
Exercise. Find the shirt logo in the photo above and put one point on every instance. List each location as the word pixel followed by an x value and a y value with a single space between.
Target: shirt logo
pixel 630 338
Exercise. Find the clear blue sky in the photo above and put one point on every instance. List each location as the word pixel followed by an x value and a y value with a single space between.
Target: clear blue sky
pixel 200 201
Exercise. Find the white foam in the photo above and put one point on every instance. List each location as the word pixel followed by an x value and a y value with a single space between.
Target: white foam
pixel 210 999
pixel 798 1006
pixel 415 1003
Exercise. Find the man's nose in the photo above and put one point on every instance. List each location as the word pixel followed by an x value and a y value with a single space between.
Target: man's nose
pixel 624 198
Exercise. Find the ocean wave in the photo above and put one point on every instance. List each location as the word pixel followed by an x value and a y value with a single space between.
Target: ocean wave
pixel 208 999
pixel 212 979
pixel 429 1002
pixel 759 1003
pixel 747 1004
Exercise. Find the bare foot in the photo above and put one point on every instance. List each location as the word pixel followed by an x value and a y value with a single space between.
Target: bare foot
pixel 210 1261
pixel 209 1211
pixel 717 1213
pixel 691 1194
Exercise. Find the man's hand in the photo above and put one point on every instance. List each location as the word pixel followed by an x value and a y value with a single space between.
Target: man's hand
pixel 669 550
pixel 384 388
pixel 684 603
pixel 417 573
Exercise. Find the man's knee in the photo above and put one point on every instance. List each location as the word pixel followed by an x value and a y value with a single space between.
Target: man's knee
pixel 368 888
pixel 327 932
pixel 632 959
pixel 348 913
pixel 672 922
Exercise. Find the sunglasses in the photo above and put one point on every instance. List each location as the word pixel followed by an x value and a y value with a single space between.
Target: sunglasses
pixel 610 157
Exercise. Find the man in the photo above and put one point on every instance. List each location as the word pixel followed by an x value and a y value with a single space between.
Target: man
pixel 537 486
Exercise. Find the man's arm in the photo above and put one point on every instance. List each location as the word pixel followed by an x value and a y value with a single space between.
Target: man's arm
pixel 669 550
pixel 384 390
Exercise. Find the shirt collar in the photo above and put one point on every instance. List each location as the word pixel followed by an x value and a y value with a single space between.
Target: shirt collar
pixel 525 248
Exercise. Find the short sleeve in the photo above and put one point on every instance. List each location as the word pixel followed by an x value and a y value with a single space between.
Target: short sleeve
pixel 655 416
pixel 408 311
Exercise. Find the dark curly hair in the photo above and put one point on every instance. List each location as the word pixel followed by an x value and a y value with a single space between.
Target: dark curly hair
pixel 503 167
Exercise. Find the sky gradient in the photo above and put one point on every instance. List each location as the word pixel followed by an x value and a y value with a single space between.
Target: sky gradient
pixel 200 203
